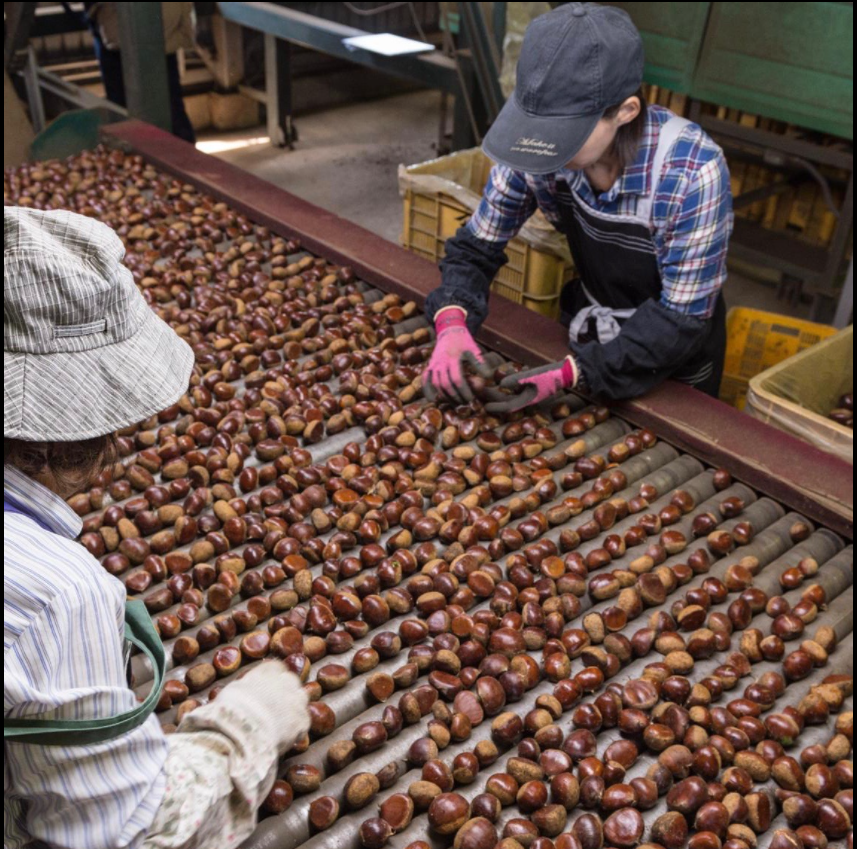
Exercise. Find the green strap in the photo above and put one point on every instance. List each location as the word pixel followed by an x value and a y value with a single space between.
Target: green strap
pixel 80 732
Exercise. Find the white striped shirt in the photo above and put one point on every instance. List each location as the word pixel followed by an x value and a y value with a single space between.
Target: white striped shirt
pixel 63 659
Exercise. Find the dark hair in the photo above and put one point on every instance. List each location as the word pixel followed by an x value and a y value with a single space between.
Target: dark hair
pixel 628 136
pixel 74 465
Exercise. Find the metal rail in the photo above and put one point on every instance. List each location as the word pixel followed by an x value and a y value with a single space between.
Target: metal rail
pixel 282 26
pixel 37 80
pixel 314 33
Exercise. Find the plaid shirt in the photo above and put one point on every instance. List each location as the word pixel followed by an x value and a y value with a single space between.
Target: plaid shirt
pixel 691 210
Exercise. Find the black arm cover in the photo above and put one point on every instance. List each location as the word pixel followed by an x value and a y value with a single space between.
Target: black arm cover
pixel 654 343
pixel 466 271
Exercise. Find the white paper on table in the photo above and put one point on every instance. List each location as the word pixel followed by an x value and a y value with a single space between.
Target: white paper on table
pixel 387 44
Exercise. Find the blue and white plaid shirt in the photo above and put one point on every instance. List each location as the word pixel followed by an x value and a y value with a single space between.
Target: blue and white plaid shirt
pixel 691 211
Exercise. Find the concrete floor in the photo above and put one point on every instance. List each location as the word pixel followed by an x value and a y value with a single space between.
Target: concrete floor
pixel 346 161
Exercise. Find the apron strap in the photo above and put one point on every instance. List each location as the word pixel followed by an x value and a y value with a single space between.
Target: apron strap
pixel 81 732
pixel 140 632
pixel 669 132
pixel 607 325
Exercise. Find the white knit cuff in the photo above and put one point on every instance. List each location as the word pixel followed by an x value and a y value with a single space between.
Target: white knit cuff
pixel 270 700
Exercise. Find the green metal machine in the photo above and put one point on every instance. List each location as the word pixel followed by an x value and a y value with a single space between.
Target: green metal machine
pixel 791 62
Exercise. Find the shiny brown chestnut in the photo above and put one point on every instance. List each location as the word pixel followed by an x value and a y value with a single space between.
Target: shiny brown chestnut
pixel 624 827
pixel 670 830
pixel 448 812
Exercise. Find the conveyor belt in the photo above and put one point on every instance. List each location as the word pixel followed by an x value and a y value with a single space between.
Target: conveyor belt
pixel 796 474
pixel 777 537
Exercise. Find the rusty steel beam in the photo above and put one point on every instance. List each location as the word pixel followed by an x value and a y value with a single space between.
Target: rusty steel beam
pixel 773 462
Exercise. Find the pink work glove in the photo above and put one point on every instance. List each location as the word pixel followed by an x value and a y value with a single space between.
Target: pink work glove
pixel 454 348
pixel 536 384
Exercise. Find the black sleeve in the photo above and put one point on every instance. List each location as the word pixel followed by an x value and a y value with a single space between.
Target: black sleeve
pixel 466 271
pixel 654 343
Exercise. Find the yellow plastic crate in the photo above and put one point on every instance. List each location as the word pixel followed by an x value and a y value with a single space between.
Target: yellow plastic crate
pixel 440 195
pixel 757 340
pixel 796 394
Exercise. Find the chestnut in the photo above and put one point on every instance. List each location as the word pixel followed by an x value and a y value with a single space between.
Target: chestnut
pixel 199 677
pixel 722 479
pixel 785 838
pixel 713 817
pixel 589 832
pixel 799 531
pixel 797 665
pixel 397 811
pixel 800 809
pixel 811 837
pixel 279 798
pixel 565 790
pixel 507 728
pixel 532 795
pixel 422 793
pixel 760 811
pixel 787 773
pixel 522 832
pixel 624 827
pixel 832 819
pixel 487 806
pixel 688 796
pixel 322 717
pixel 421 751
pixel 670 830
pixel 465 766
pixel 618 796
pixel 373 833
pixel 323 812
pixel 704 840
pixel 448 812
pixel 550 819
pixel 477 833
pixel 504 786
pixel 820 781
pixel 340 755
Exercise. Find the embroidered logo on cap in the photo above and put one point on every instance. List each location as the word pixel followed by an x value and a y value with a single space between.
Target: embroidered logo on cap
pixel 535 146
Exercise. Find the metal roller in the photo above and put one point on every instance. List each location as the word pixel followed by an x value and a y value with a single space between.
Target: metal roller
pixel 285 829
pixel 599 435
pixel 409 325
pixel 835 575
pixel 810 736
pixel 821 546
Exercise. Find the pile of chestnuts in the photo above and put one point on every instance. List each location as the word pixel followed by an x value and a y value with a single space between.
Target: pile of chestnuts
pixel 530 638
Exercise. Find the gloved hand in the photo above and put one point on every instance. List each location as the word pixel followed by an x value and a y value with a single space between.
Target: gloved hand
pixel 268 699
pixel 454 348
pixel 536 384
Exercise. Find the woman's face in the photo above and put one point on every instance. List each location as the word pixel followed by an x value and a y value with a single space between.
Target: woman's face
pixel 602 136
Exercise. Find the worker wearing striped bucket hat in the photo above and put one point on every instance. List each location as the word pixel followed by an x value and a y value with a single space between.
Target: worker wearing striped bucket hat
pixel 642 196
pixel 87 764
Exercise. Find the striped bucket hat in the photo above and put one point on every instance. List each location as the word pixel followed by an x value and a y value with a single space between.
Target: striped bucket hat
pixel 83 353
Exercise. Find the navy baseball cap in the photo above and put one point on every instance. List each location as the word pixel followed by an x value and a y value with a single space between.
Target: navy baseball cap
pixel 576 61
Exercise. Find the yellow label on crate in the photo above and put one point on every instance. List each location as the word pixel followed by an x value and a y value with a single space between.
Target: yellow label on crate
pixel 757 340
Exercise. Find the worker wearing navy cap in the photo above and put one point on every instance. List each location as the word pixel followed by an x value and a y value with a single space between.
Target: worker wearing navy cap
pixel 642 196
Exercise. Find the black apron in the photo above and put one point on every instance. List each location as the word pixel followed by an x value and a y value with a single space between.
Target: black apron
pixel 617 261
